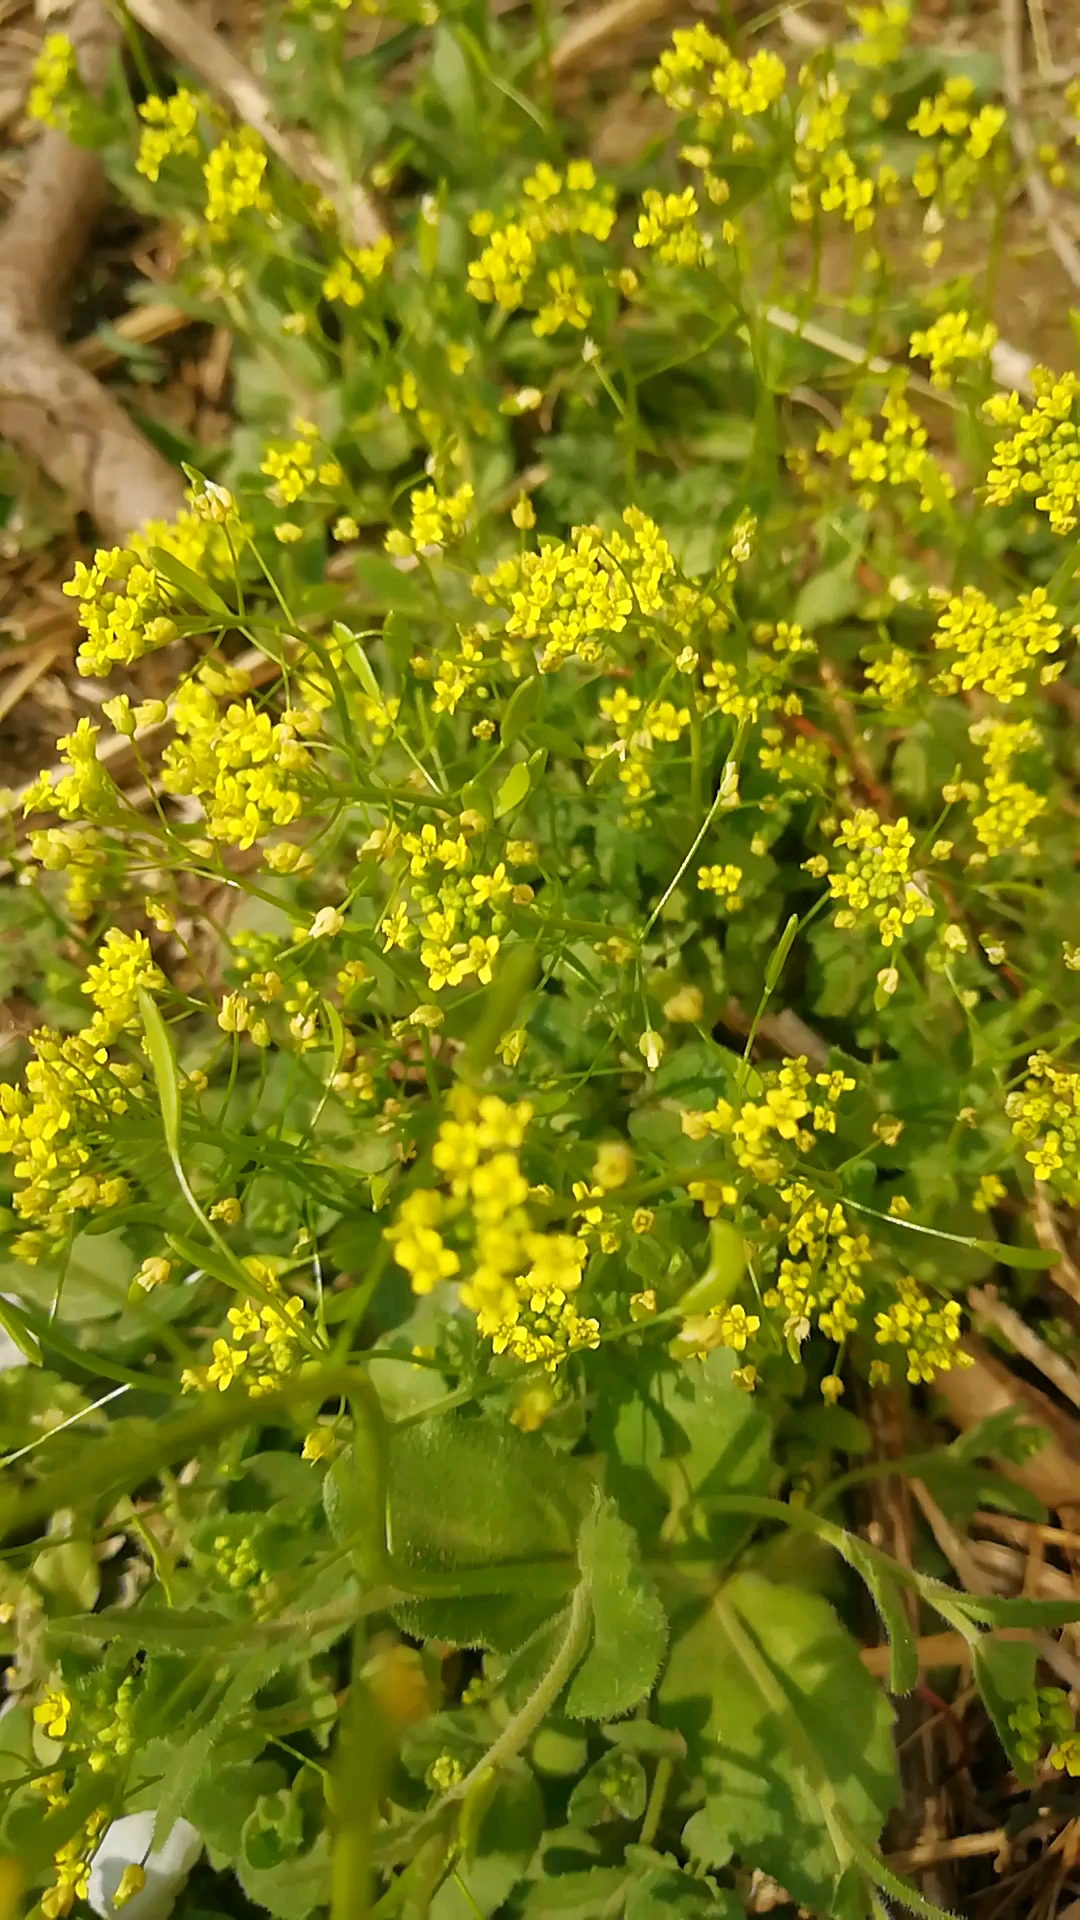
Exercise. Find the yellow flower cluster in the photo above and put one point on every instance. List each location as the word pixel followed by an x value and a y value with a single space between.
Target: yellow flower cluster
pixel 948 342
pixel 899 458
pixel 1045 1115
pixel 637 730
pixel 730 1326
pixel 233 174
pixel 522 1285
pixel 56 1125
pixel 724 881
pixel 1011 806
pixel 355 270
pixel 78 852
pixel 759 1130
pixel 962 141
pixel 435 521
pixel 839 187
pixel 828 174
pixel 927 1334
pixel 71 1865
pixel 882 33
pixel 247 769
pixel 126 609
pixel 995 650
pixel 699 74
pixel 573 594
pixel 53 72
pixel 894 678
pixel 821 1261
pixel 269 1338
pixel 668 226
pixel 170 130
pixel 1039 454
pixel 461 906
pixel 459 673
pixel 877 881
pixel 84 791
pixel 553 206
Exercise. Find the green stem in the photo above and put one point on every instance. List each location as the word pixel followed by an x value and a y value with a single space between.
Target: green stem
pixel 661 1782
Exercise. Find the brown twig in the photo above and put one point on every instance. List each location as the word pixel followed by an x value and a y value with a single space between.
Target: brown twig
pixel 50 408
pixel 591 32
pixel 963 1560
pixel 966 1846
pixel 31 671
pixel 1065 1273
pixel 1039 193
pixel 141 326
pixel 205 54
pixel 985 1304
pixel 971 1394
pixel 935 1650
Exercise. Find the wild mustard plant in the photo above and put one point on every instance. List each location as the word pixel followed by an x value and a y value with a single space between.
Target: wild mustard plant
pixel 575 977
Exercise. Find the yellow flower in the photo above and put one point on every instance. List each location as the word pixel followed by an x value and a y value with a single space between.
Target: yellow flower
pixel 53 1714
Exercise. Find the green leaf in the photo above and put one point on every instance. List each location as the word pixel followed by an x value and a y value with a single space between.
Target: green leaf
pixel 513 790
pixel 506 1839
pixel 520 709
pixel 681 1435
pixel 163 1065
pixel 468 1495
pixel 19 1333
pixel 188 583
pixel 828 597
pixel 887 1598
pixel 727 1264
pixel 781 1717
pixel 295 1888
pixel 614 1788
pixel 1004 1672
pixel 665 1893
pixel 1029 1259
pixel 629 1627
pixel 576 1896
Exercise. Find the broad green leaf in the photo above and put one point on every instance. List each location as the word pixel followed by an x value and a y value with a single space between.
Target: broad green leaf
pixel 1004 1672
pixel 665 1893
pixel 523 703
pixel 682 1433
pixel 776 1712
pixel 192 585
pixel 469 1495
pixel 576 1896
pixel 504 1844
pixel 828 597
pixel 614 1788
pixel 220 1806
pixel 293 1890
pixel 629 1627
pixel 513 790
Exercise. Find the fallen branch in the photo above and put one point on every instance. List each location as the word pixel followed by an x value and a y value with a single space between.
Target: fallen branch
pixel 985 1304
pixel 971 1394
pixel 590 33
pixel 50 408
pixel 205 54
